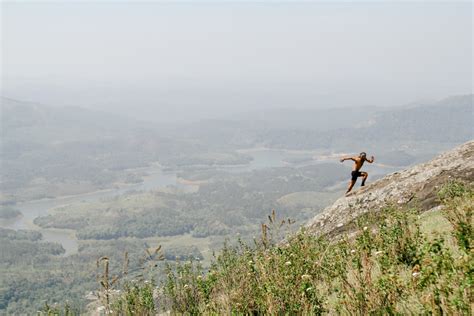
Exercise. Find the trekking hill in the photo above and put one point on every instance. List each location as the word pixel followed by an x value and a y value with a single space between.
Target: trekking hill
pixel 416 186
pixel 401 245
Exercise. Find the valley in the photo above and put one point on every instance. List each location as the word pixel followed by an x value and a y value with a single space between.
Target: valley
pixel 88 189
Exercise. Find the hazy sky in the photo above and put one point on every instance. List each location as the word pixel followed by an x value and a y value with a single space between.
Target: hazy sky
pixel 196 58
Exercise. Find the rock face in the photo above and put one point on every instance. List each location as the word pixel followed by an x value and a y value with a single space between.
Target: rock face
pixel 417 185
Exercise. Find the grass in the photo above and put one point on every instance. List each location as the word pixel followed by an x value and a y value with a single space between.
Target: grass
pixel 395 262
pixel 203 244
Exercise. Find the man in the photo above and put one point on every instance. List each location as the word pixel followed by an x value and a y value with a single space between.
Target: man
pixel 358 163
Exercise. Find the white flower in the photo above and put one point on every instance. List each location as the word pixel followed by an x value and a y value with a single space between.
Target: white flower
pixel 353 251
pixel 309 289
pixel 415 274
pixel 365 228
pixel 378 253
pixel 288 263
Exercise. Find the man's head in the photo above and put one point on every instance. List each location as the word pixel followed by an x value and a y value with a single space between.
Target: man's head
pixel 362 155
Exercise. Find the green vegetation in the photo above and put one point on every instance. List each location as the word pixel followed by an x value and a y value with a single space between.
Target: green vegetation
pixel 234 204
pixel 21 251
pixel 34 272
pixel 385 263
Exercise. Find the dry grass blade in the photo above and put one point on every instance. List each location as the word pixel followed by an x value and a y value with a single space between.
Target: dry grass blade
pixel 157 249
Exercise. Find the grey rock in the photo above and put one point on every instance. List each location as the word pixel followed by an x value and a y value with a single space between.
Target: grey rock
pixel 416 185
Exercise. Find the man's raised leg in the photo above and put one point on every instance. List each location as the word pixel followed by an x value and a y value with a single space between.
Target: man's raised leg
pixel 365 175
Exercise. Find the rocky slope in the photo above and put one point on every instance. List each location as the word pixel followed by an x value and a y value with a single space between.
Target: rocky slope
pixel 415 185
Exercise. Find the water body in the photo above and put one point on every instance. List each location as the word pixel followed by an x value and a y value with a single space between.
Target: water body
pixel 262 158
pixel 66 237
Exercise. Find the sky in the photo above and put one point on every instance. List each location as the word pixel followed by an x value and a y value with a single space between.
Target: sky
pixel 180 60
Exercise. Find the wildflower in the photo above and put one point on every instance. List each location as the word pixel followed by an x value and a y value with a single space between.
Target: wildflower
pixel 199 277
pixel 309 289
pixel 378 252
pixel 415 274
pixel 186 286
pixel 340 225
pixel 353 251
pixel 250 262
pixel 365 228
pixel 288 263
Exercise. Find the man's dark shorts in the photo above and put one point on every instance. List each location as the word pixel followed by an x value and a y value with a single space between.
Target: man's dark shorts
pixel 355 175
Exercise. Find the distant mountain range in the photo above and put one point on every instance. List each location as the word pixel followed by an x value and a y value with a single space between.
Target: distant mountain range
pixel 89 148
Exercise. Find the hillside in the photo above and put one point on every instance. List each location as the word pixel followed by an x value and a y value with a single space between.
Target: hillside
pixel 397 258
pixel 415 186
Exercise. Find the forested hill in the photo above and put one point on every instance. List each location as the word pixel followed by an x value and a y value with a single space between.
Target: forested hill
pixel 446 121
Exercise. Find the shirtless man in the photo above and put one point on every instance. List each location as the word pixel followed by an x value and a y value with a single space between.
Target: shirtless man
pixel 358 163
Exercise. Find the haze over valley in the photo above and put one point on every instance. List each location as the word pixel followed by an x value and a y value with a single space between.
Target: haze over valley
pixel 88 181
pixel 125 127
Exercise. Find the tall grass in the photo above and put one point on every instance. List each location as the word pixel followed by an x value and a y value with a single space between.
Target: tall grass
pixel 387 266
pixel 384 264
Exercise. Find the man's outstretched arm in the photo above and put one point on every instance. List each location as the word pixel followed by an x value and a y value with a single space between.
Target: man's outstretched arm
pixel 347 158
pixel 371 160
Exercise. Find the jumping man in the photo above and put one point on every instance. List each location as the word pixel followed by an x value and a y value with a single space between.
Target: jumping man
pixel 358 163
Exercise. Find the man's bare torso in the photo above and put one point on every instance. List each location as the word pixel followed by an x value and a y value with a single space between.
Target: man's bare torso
pixel 358 163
